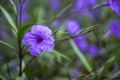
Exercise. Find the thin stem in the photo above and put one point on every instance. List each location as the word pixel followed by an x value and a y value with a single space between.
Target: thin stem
pixel 20 58
pixel 19 41
pixel 28 63
pixel 60 13
pixel 80 34
pixel 8 70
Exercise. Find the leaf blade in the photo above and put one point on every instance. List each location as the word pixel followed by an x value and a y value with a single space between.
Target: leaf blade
pixel 6 44
pixel 9 18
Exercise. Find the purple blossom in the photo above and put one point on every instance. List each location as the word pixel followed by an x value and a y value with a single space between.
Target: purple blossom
pixel 93 50
pixel 114 5
pixel 82 6
pixel 75 72
pixel 25 16
pixel 74 28
pixel 55 4
pixel 81 43
pixel 40 39
pixel 115 28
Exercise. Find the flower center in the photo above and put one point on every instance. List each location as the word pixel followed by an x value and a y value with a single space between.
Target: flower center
pixel 39 39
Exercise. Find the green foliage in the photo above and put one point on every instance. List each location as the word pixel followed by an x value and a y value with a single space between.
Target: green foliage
pixel 22 31
pixel 29 74
pixel 7 44
pixel 86 63
pixel 108 64
pixel 14 7
pixel 9 19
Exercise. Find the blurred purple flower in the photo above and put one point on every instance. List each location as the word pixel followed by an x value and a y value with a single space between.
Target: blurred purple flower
pixel 55 4
pixel 39 39
pixel 25 16
pixel 115 28
pixel 85 6
pixel 75 72
pixel 81 43
pixel 114 5
pixel 74 28
pixel 93 50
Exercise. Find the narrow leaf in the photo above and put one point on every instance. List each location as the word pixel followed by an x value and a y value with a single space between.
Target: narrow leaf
pixel 81 56
pixel 6 44
pixel 108 65
pixel 60 54
pixel 14 7
pixel 22 30
pixel 2 77
pixel 9 18
pixel 82 32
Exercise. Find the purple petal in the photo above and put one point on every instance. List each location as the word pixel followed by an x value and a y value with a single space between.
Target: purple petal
pixel 106 3
pixel 25 17
pixel 41 29
pixel 114 4
pixel 81 43
pixel 55 4
pixel 35 49
pixel 46 46
pixel 28 39
pixel 93 50
pixel 73 27
pixel 113 27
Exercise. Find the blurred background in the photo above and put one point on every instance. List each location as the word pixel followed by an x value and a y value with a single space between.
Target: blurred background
pixel 65 18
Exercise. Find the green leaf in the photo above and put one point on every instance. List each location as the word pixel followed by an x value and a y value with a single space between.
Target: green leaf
pixel 84 60
pixel 61 78
pixel 29 74
pixel 60 55
pixel 113 75
pixel 22 30
pixel 19 78
pixel 2 78
pixel 82 32
pixel 108 65
pixel 6 44
pixel 9 18
pixel 14 7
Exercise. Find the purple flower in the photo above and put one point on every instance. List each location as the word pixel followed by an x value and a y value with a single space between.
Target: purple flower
pixel 39 39
pixel 93 50
pixel 55 4
pixel 81 43
pixel 25 16
pixel 115 28
pixel 82 6
pixel 75 72
pixel 114 5
pixel 74 28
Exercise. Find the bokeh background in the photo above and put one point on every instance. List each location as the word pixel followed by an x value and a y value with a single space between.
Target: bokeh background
pixel 63 17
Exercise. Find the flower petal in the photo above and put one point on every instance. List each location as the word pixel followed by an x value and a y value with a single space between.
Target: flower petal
pixel 41 29
pixel 35 50
pixel 46 47
pixel 28 39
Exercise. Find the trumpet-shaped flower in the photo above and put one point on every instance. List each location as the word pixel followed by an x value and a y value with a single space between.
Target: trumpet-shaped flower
pixel 40 39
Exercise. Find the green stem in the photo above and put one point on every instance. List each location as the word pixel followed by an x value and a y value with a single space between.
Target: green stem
pixel 81 56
